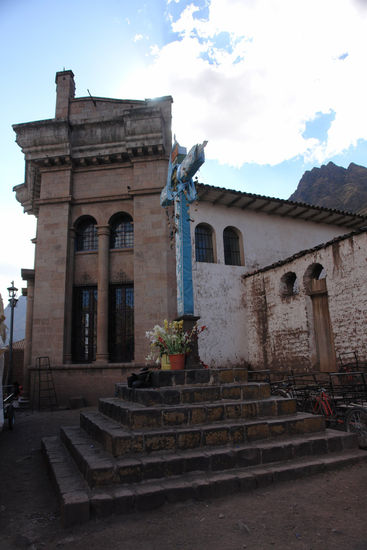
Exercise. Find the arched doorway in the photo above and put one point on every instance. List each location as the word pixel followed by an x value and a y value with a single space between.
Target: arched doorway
pixel 316 288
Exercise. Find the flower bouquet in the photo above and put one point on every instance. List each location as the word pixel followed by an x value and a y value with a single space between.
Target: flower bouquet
pixel 171 340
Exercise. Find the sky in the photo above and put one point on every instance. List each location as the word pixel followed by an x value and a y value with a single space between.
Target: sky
pixel 275 86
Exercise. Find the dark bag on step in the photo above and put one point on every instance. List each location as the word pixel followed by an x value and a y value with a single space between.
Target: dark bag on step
pixel 141 379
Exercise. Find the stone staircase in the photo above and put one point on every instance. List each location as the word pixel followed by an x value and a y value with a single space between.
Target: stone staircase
pixel 194 434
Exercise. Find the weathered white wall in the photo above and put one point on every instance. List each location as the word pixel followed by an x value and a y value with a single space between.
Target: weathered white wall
pixel 280 329
pixel 266 238
pixel 217 298
pixel 218 288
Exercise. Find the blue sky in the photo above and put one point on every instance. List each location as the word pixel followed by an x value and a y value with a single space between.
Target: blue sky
pixel 276 86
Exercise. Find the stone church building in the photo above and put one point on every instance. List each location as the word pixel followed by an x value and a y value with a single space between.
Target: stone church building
pixel 104 268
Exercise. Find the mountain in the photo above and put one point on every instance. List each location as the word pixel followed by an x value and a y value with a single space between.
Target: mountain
pixel 20 312
pixel 334 187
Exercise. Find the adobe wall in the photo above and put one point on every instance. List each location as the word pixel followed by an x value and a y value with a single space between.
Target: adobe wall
pixel 219 295
pixel 281 329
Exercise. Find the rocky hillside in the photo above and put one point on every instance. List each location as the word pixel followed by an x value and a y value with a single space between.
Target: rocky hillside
pixel 334 187
pixel 20 313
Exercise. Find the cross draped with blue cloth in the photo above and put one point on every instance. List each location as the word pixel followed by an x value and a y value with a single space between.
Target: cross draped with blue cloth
pixel 180 190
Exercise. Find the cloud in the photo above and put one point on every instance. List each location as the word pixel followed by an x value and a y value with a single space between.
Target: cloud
pixel 138 37
pixel 251 73
pixel 17 249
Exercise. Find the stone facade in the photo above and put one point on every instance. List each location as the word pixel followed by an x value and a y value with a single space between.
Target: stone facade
pixel 283 327
pixel 97 158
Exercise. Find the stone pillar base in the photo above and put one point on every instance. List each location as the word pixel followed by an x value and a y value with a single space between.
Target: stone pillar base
pixel 101 359
pixel 192 359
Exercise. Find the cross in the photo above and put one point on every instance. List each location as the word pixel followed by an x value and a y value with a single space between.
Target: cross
pixel 180 190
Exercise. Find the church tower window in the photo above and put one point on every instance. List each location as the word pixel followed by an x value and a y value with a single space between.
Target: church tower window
pixel 86 234
pixel 122 231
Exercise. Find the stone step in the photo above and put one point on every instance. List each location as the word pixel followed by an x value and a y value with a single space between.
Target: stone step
pixel 136 416
pixel 166 395
pixel 79 503
pixel 163 378
pixel 100 468
pixel 121 441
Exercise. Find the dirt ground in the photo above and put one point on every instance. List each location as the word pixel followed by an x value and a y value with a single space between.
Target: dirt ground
pixel 327 511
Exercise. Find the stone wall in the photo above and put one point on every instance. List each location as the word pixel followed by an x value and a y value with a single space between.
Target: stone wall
pixel 281 325
pixel 90 382
pixel 97 157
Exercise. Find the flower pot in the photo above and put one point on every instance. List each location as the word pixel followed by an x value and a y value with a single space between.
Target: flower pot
pixel 177 361
pixel 165 364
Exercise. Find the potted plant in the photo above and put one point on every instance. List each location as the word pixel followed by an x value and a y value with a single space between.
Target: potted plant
pixel 172 340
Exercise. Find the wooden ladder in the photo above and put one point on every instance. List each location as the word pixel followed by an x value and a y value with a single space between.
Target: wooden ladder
pixel 44 393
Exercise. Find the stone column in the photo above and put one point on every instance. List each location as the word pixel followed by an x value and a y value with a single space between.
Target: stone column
pixel 102 301
pixel 28 275
pixel 69 297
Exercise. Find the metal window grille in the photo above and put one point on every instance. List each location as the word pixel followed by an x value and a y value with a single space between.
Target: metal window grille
pixel 122 233
pixel 85 324
pixel 231 243
pixel 86 236
pixel 121 323
pixel 204 244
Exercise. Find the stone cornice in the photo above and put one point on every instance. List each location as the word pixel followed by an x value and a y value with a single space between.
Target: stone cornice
pixel 104 198
pixel 27 274
pixel 145 191
pixel 131 132
pixel 53 200
pixel 137 132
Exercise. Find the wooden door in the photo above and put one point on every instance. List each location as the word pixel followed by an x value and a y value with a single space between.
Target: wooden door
pixel 322 325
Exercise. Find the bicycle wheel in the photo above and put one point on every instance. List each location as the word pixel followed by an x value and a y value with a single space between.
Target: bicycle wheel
pixel 356 422
pixel 282 393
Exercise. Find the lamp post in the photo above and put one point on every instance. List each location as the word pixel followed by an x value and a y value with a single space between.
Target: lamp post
pixel 13 302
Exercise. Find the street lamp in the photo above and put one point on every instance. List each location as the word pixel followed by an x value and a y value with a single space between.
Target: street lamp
pixel 13 302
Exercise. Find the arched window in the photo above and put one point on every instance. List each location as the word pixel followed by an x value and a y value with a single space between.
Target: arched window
pixel 231 242
pixel 86 234
pixel 122 231
pixel 314 272
pixel 289 284
pixel 204 243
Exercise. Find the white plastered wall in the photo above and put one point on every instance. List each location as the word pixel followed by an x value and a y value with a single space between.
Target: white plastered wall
pixel 219 294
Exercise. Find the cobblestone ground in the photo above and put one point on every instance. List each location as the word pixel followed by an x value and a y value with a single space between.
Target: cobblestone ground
pixel 327 511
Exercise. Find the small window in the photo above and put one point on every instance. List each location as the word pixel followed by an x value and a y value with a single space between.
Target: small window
pixel 231 242
pixel 122 231
pixel 204 243
pixel 289 284
pixel 86 234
